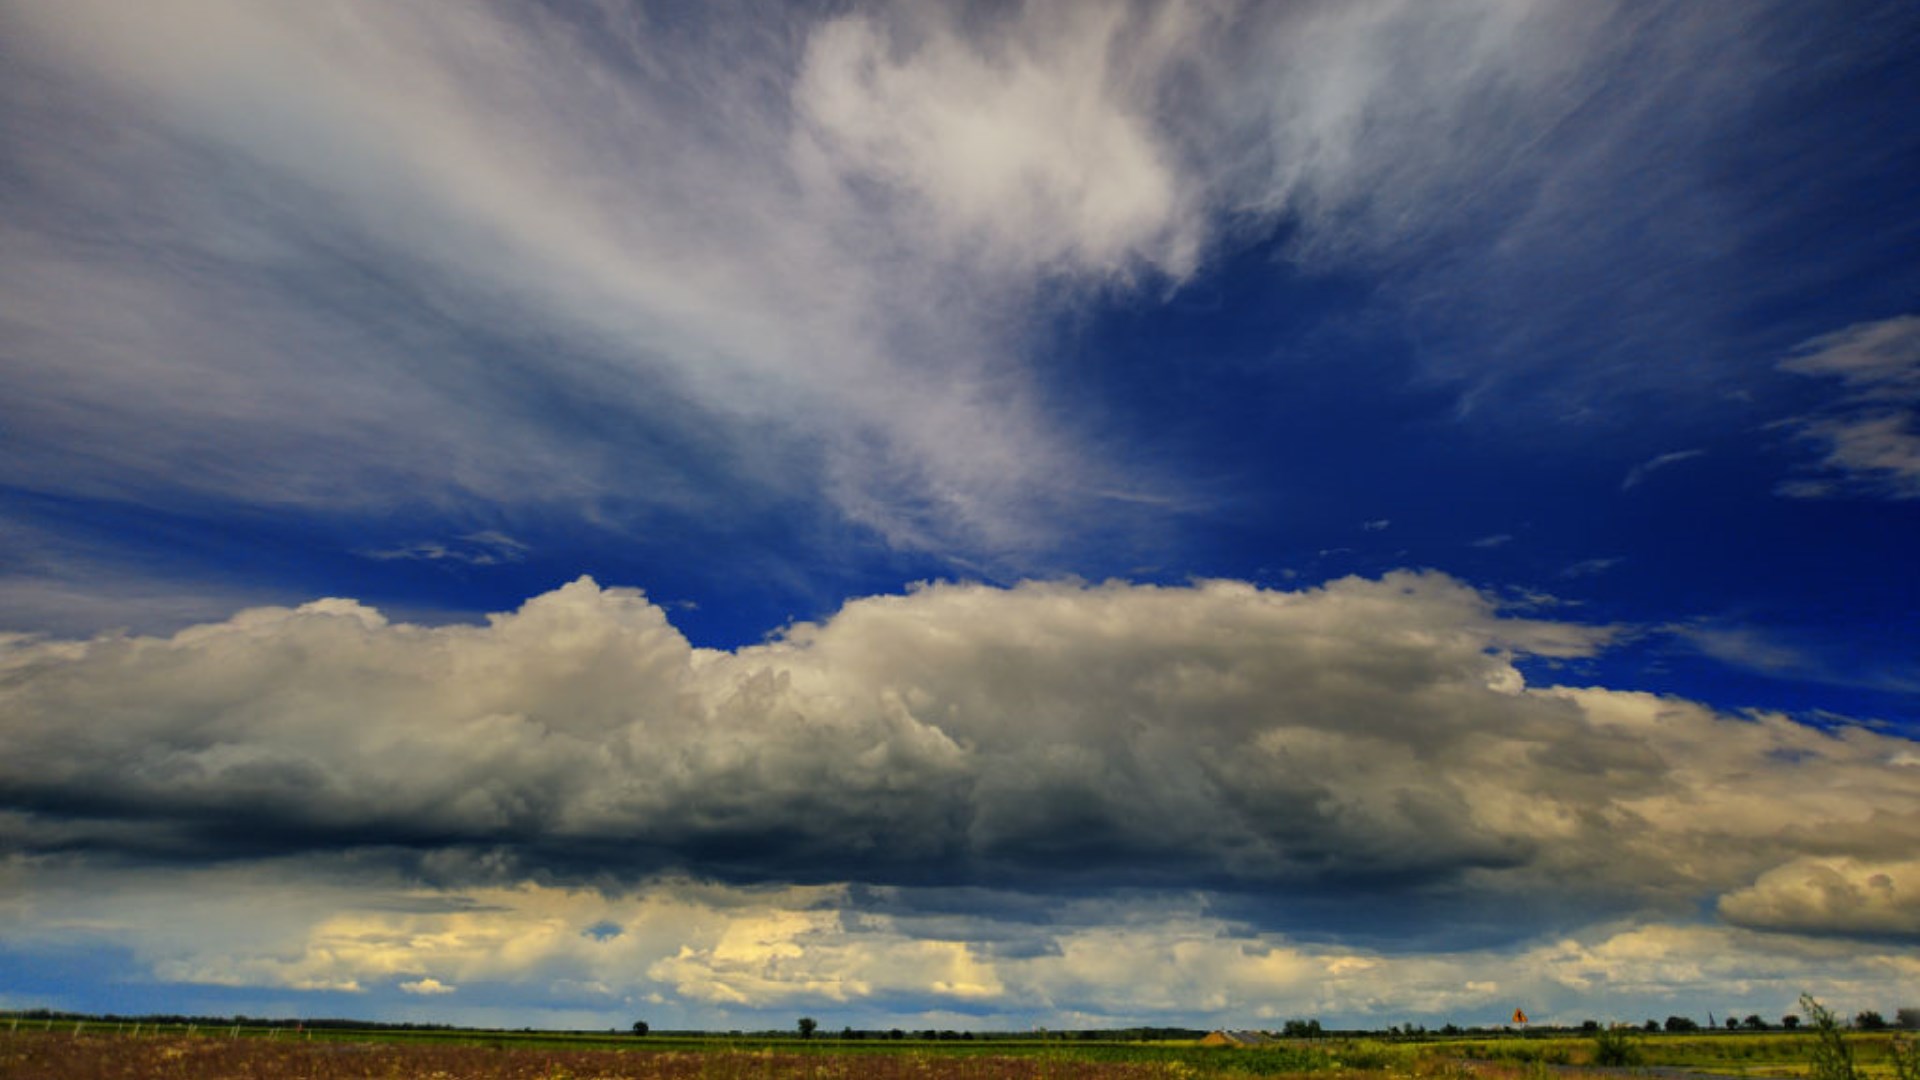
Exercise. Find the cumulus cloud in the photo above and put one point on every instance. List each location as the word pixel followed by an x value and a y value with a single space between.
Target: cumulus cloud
pixel 1056 735
pixel 703 952
pixel 1871 434
pixel 1832 896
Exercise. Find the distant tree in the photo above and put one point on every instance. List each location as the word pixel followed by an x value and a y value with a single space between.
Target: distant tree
pixel 1589 1026
pixel 896 1033
pixel 807 1024
pixel 1682 1023
pixel 1733 1024
pixel 1301 1029
pixel 1790 1021
pixel 1754 1023
pixel 1653 1025
pixel 640 1027
pixel 847 1033
pixel 1869 1021
pixel 1908 1017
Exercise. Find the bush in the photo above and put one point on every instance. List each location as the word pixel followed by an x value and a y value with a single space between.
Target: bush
pixel 1368 1054
pixel 1616 1048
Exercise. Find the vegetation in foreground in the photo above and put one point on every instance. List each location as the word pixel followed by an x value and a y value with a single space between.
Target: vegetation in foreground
pixel 1824 1049
pixel 65 1055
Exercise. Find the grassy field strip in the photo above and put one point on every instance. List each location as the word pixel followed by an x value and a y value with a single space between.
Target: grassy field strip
pixel 80 1050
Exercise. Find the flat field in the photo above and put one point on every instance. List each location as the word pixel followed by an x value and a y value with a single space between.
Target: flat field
pixel 220 1053
pixel 1756 1054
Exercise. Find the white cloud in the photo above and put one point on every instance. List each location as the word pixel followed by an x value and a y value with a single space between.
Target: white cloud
pixel 1878 453
pixel 703 953
pixel 318 256
pixel 1871 436
pixel 1748 648
pixel 689 296
pixel 1591 567
pixel 1032 142
pixel 1366 731
pixel 1831 895
pixel 950 775
pixel 485 548
pixel 1636 475
pixel 1877 358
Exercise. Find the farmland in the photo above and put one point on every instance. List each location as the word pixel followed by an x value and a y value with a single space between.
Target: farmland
pixel 80 1051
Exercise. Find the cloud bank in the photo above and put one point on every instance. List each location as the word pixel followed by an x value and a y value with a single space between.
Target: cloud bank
pixel 1054 737
pixel 722 956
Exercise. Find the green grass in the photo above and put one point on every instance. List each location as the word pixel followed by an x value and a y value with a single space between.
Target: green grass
pixel 1758 1054
pixel 1519 1057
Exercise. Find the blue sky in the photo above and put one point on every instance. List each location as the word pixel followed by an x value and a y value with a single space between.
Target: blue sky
pixel 950 516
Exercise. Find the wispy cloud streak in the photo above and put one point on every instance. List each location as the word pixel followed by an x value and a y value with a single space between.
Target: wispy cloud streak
pixel 366 256
pixel 1871 435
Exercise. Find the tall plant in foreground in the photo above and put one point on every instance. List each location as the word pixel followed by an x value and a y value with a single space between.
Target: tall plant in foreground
pixel 1905 1055
pixel 1832 1057
pixel 1613 1046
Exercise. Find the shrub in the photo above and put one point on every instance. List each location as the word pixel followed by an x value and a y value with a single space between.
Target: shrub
pixel 1616 1048
pixel 1832 1057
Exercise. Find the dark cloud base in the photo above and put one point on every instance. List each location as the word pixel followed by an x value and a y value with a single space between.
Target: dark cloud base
pixel 1357 759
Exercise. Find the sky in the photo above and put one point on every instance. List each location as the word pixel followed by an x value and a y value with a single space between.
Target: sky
pixel 959 516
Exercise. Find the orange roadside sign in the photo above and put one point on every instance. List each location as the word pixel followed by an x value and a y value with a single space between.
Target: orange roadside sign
pixel 1519 1017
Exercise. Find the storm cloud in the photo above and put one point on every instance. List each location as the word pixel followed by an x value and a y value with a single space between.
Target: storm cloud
pixel 1368 734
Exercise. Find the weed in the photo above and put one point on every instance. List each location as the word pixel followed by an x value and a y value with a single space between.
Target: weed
pixel 1905 1055
pixel 1832 1057
pixel 1614 1047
